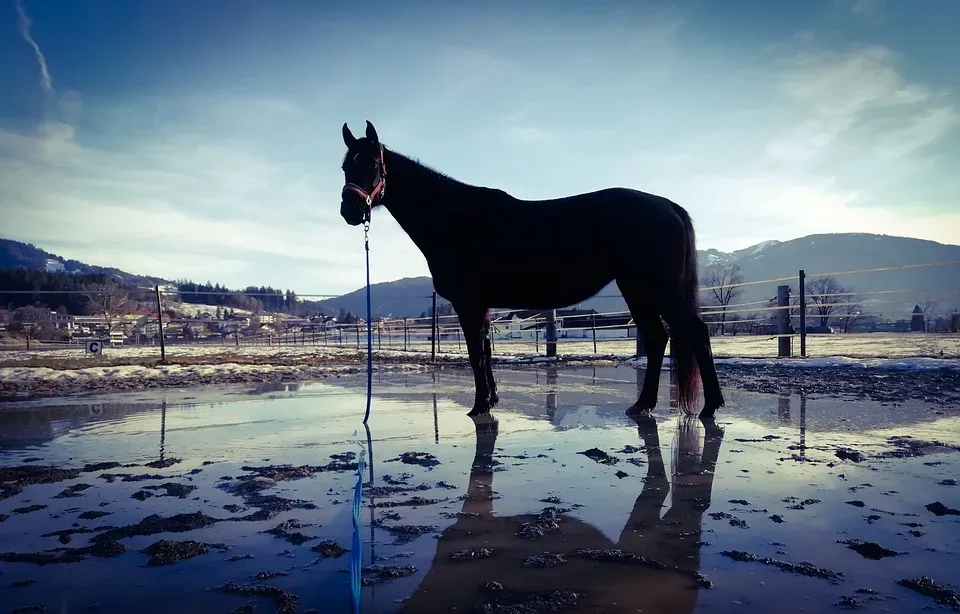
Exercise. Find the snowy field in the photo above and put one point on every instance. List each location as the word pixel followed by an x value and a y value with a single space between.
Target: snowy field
pixel 866 345
pixel 57 372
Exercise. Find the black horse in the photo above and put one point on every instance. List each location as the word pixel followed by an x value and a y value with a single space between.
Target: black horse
pixel 479 244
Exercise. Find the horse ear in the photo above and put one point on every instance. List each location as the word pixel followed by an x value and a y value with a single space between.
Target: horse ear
pixel 372 133
pixel 348 138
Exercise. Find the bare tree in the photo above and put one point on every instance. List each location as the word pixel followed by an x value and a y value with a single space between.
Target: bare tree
pixel 852 315
pixel 109 299
pixel 722 281
pixel 827 297
pixel 929 309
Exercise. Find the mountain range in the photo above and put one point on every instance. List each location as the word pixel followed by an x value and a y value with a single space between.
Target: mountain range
pixel 817 254
pixel 899 288
pixel 14 254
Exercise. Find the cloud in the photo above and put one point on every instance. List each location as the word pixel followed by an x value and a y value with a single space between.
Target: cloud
pixel 863 8
pixel 189 204
pixel 23 23
pixel 858 99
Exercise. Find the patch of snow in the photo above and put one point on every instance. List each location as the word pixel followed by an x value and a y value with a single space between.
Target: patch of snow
pixel 843 362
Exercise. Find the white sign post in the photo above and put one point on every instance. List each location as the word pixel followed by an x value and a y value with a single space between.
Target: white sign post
pixel 94 347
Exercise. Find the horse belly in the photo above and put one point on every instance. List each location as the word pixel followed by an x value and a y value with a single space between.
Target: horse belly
pixel 545 287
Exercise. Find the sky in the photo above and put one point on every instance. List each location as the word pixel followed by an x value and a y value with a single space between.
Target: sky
pixel 184 140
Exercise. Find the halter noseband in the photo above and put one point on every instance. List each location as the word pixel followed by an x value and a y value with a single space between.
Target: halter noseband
pixel 376 194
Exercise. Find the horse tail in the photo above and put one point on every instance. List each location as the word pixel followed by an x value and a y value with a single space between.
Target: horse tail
pixel 684 361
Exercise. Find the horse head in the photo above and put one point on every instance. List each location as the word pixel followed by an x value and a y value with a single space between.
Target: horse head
pixel 364 176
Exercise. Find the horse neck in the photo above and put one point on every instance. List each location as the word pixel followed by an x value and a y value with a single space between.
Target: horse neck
pixel 414 196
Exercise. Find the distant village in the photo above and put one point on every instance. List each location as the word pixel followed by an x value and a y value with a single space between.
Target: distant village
pixel 143 327
pixel 225 325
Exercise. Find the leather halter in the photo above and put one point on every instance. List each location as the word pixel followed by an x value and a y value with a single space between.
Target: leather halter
pixel 376 194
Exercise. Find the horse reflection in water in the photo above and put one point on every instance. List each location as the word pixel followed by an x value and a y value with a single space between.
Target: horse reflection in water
pixel 674 540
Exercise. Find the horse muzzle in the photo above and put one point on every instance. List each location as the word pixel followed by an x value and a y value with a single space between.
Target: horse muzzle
pixel 352 212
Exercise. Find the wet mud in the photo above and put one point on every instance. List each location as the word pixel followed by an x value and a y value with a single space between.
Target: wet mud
pixel 165 552
pixel 652 514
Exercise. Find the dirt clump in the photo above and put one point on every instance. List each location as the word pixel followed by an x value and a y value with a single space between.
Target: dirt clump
pixel 162 463
pixel 286 602
pixel 72 491
pixel 411 502
pixel 804 568
pixel 422 459
pixel 378 574
pixel 154 523
pixel 287 531
pixel 937 508
pixel 515 602
pixel 471 554
pixel 547 522
pixel 329 549
pixel 600 456
pixel 29 508
pixel 164 552
pixel 102 549
pixel 869 550
pixel 545 560
pixel 173 489
pixel 928 587
pixel 93 515
pixel 91 467
pixel 615 555
pixel 130 477
pixel 14 479
pixel 404 533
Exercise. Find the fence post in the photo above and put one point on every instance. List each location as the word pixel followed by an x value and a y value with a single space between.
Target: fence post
pixel 551 334
pixel 803 314
pixel 593 329
pixel 163 347
pixel 404 334
pixel 641 346
pixel 783 322
pixel 433 332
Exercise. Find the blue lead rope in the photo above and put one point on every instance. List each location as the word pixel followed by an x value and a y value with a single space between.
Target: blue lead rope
pixel 366 243
pixel 356 556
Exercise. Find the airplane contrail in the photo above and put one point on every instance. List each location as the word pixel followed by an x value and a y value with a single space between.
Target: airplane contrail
pixel 46 81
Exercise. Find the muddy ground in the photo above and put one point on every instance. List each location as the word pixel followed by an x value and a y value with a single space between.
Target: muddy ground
pixel 557 503
pixel 39 376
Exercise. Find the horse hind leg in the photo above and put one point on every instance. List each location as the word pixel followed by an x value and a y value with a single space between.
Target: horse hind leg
pixel 690 339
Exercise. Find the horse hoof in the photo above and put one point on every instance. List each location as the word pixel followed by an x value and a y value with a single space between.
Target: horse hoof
pixel 641 407
pixel 479 410
pixel 709 410
pixel 494 399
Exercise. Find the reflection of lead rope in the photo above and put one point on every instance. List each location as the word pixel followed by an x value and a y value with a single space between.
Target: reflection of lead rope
pixel 355 555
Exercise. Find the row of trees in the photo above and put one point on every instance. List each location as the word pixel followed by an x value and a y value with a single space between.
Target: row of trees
pixel 63 292
pixel 251 298
pixel 828 302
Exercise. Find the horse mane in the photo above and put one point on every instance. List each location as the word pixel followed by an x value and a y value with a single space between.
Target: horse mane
pixel 423 171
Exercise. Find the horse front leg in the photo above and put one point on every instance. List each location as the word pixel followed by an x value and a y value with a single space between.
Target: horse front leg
pixel 488 361
pixel 471 322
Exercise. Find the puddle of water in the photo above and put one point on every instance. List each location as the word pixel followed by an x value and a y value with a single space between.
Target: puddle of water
pixel 678 495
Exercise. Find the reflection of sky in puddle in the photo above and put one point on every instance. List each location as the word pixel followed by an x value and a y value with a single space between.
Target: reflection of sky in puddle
pixel 542 412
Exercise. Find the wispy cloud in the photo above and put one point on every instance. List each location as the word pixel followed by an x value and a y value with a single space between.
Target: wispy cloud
pixel 863 7
pixel 856 102
pixel 46 81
